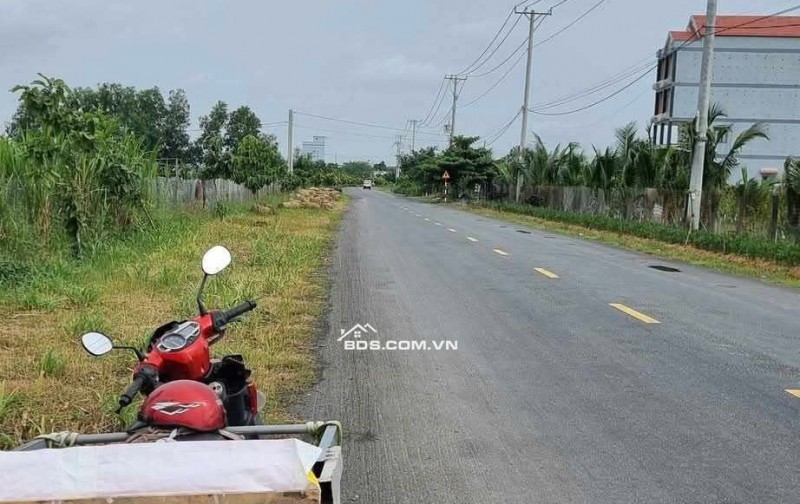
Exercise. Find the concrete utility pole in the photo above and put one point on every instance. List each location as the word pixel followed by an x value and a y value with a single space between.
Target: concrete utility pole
pixel 290 155
pixel 398 142
pixel 414 123
pixel 455 79
pixel 532 16
pixel 703 99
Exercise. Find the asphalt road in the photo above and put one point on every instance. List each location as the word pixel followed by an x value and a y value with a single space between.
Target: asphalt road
pixel 552 395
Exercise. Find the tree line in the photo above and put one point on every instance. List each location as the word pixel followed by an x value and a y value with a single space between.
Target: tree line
pixel 76 163
pixel 634 163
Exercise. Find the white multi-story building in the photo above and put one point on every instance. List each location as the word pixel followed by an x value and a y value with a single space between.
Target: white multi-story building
pixel 315 148
pixel 756 78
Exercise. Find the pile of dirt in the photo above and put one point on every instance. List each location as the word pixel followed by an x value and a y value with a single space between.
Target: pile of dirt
pixel 313 197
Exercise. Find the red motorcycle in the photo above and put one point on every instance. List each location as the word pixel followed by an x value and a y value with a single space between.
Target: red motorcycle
pixel 186 391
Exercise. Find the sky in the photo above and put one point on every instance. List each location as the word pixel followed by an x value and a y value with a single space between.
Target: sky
pixel 377 62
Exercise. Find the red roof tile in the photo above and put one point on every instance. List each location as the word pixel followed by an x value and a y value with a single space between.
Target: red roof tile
pixel 680 36
pixel 749 26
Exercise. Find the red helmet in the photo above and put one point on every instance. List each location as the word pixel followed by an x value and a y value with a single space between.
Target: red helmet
pixel 184 403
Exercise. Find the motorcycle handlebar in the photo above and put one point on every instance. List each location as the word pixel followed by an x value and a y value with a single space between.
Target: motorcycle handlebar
pixel 127 397
pixel 222 318
pixel 239 310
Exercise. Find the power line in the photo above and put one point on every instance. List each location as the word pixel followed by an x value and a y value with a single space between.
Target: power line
pixel 438 94
pixel 571 24
pixel 495 49
pixel 559 4
pixel 357 123
pixel 501 79
pixel 518 49
pixel 344 132
pixel 513 53
pixel 469 68
pixel 652 67
pixel 443 93
pixel 496 136
pixel 768 16
pixel 521 53
pixel 496 35
pixel 595 88
pixel 598 102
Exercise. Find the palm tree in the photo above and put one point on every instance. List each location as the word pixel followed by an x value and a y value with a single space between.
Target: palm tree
pixel 572 166
pixel 717 168
pixel 791 181
pixel 603 170
pixel 749 195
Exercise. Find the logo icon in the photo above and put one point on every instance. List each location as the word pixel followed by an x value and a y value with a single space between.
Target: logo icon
pixel 357 331
pixel 174 408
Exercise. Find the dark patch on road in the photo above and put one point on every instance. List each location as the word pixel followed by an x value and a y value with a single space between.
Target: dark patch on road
pixel 661 267
pixel 523 231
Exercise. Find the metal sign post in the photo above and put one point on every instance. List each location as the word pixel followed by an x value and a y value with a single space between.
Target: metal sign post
pixel 446 178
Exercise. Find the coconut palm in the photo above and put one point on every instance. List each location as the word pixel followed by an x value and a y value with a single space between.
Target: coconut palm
pixel 719 167
pixel 603 170
pixel 791 182
pixel 750 194
pixel 572 166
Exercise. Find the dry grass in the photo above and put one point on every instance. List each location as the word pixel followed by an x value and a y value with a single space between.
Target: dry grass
pixel 729 263
pixel 48 383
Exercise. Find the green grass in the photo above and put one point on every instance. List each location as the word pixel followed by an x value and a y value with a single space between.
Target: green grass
pixel 85 321
pixel 754 247
pixel 131 284
pixel 8 401
pixel 52 364
pixel 730 263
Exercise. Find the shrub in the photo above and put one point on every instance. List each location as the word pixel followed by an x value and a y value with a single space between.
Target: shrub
pixel 783 252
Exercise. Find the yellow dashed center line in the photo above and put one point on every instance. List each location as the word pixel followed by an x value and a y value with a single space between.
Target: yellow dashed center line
pixel 548 274
pixel 451 230
pixel 501 252
pixel 794 392
pixel 635 314
pixel 473 240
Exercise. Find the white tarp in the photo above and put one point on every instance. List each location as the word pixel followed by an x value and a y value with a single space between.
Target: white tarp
pixel 157 469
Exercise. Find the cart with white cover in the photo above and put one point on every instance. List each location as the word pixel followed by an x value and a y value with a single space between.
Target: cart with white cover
pixel 266 467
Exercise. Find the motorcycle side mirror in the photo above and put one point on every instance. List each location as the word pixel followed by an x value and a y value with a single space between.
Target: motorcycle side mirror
pixel 216 259
pixel 96 343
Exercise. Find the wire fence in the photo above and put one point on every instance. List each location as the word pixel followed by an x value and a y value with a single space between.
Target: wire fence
pixel 180 191
pixel 724 211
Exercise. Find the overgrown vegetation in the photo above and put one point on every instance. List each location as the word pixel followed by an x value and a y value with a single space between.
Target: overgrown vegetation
pixel 83 246
pixel 137 282
pixel 70 178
